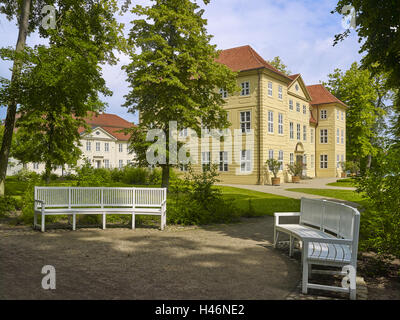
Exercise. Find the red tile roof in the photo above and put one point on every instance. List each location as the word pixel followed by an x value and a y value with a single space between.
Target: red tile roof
pixel 244 58
pixel 294 76
pixel 321 95
pixel 111 123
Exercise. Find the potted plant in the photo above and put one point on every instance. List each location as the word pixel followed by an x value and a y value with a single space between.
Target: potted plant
pixel 274 166
pixel 295 170
pixel 343 167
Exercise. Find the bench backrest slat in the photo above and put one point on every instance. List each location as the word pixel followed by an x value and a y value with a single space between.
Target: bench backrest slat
pixel 311 212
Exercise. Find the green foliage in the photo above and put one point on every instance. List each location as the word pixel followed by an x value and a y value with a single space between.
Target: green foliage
pixel 296 168
pixel 274 166
pixel 26 175
pixel 58 84
pixel 380 222
pixel 195 200
pixel 173 74
pixel 378 31
pixel 351 166
pixel 8 204
pixel 364 95
pixel 278 64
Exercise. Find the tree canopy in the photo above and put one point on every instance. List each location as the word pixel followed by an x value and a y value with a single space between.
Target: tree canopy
pixel 173 74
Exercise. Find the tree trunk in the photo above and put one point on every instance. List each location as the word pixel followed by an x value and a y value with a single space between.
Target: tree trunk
pixel 12 106
pixel 47 172
pixel 165 176
pixel 369 162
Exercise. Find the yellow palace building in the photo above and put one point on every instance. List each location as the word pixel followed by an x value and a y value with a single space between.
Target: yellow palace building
pixel 289 121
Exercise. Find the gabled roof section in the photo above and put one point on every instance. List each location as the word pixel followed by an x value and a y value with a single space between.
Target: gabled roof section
pixel 299 79
pixel 321 95
pixel 110 123
pixel 245 58
pixel 84 132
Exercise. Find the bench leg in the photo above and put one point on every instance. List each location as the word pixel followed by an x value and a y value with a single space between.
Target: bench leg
pixel 276 236
pixel 34 220
pixel 133 221
pixel 353 294
pixel 291 244
pixel 104 221
pixel 74 222
pixel 162 221
pixel 310 270
pixel 305 278
pixel 43 222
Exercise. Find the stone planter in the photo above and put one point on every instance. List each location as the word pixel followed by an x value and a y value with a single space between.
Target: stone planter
pixel 276 181
pixel 295 179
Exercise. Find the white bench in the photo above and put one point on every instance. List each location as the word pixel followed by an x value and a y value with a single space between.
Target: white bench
pixel 101 200
pixel 328 232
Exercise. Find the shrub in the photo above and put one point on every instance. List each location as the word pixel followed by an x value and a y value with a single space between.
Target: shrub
pixel 26 175
pixel 7 205
pixel 132 175
pixel 380 222
pixel 195 200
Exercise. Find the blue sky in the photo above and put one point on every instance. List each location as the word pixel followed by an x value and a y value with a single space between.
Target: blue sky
pixel 300 32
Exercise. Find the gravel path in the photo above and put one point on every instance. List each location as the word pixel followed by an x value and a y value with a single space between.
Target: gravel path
pixel 233 261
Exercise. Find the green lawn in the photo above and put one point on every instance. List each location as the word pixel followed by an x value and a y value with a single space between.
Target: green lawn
pixel 343 183
pixel 263 203
pixel 348 195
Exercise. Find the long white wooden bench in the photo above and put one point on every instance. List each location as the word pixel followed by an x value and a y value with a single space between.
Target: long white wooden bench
pixel 100 200
pixel 328 232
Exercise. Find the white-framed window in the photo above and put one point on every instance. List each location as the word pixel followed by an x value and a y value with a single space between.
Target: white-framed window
pixel 106 163
pixel 245 88
pixel 280 92
pixel 88 145
pixel 337 136
pixel 280 123
pixel 311 135
pixel 106 147
pixel 312 161
pixel 304 133
pixel 337 161
pixel 205 160
pixel 280 159
pixel 205 131
pixel 291 158
pixel 270 154
pixel 342 158
pixel 120 164
pixel 304 109
pixel 270 121
pixel 324 161
pixel 298 131
pixel 291 104
pixel 36 165
pixel 337 114
pixel 245 121
pixel 324 114
pixel 342 115
pixel 305 160
pixel 298 106
pixel 291 130
pixel 223 93
pixel 183 132
pixel 120 147
pixel 270 88
pixel 97 146
pixel 223 161
pixel 245 161
pixel 342 137
pixel 324 135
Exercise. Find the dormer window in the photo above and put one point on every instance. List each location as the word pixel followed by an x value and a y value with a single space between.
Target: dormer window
pixel 324 114
pixel 245 89
pixel 223 93
pixel 97 132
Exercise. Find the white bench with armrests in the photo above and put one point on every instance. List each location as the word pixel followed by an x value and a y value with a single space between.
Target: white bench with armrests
pixel 329 234
pixel 99 200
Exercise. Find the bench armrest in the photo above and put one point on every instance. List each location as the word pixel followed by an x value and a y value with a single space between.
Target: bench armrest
pixel 328 240
pixel 277 215
pixel 42 203
pixel 286 214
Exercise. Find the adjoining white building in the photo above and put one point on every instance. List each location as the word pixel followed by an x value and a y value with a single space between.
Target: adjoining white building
pixel 104 146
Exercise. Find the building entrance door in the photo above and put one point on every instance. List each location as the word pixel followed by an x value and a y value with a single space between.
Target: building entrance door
pixel 98 164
